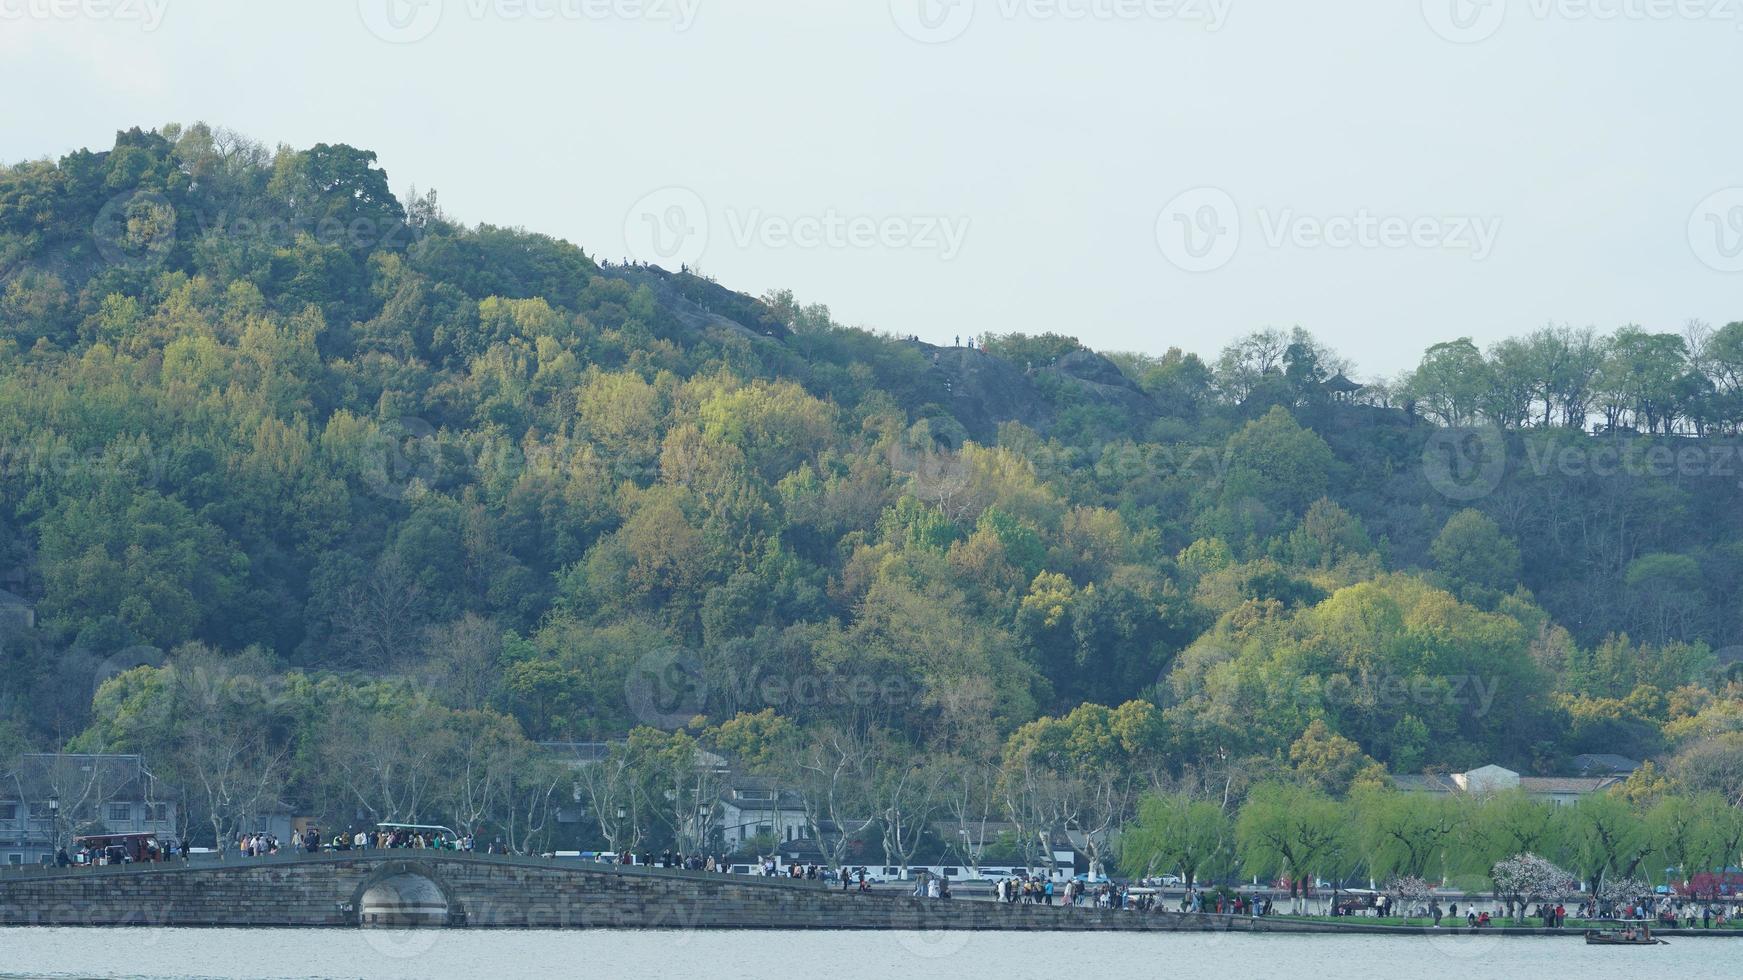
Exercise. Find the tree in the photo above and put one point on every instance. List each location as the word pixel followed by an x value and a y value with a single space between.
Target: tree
pixel 1276 461
pixel 833 770
pixel 969 791
pixel 1477 561
pixel 1405 835
pixel 1452 383
pixel 1682 832
pixel 1526 878
pixel 1603 837
pixel 1177 833
pixel 609 786
pixel 907 797
pixel 1326 760
pixel 1293 832
pixel 1087 769
pixel 1410 892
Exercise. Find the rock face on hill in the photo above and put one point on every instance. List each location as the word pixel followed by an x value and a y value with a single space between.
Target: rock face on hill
pixel 702 304
pixel 978 389
pixel 1100 381
pixel 981 391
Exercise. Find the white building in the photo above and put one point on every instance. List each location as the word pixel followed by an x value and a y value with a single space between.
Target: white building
pixel 753 807
pixel 1489 780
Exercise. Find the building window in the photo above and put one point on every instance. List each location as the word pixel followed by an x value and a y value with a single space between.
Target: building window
pixel 157 812
pixel 42 811
pixel 8 812
pixel 765 828
pixel 120 812
pixel 15 860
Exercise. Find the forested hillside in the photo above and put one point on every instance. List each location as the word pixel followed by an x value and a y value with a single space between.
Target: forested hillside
pixel 426 486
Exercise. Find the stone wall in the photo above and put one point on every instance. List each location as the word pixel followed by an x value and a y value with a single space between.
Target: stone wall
pixel 516 893
pixel 497 893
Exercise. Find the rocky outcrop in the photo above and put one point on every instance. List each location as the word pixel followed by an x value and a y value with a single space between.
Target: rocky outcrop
pixel 1099 380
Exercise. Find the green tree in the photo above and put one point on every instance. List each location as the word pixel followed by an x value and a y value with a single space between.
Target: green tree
pixel 1177 833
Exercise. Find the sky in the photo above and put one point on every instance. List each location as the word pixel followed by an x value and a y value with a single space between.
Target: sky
pixel 1140 174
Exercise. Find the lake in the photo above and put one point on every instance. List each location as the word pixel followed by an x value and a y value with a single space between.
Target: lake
pixel 269 953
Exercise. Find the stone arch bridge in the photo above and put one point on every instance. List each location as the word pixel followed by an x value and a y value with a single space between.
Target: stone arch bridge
pixel 435 888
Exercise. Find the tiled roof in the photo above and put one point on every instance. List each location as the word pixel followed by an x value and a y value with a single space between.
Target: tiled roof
pixel 1568 784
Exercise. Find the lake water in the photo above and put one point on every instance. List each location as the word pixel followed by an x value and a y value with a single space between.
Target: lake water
pixel 267 953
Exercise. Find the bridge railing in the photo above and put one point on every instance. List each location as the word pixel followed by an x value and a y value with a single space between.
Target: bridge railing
pixel 213 862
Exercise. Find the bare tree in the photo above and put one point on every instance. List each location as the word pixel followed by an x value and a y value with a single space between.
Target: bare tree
pixel 908 796
pixel 609 785
pixel 530 805
pixel 386 764
pixel 67 790
pixel 463 659
pixel 379 621
pixel 832 768
pixel 238 776
pixel 969 791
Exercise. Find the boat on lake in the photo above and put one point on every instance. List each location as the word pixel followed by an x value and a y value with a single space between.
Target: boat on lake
pixel 1626 932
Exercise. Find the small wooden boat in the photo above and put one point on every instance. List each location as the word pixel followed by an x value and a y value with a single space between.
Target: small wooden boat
pixel 1625 933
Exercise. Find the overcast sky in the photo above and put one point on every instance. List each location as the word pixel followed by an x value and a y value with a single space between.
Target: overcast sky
pixel 1139 173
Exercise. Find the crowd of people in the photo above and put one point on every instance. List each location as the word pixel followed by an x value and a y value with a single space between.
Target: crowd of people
pixel 312 841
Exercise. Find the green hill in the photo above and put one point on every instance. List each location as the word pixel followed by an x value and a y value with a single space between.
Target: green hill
pixel 262 419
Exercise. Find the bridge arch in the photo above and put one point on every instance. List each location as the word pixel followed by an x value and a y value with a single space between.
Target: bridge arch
pixel 405 894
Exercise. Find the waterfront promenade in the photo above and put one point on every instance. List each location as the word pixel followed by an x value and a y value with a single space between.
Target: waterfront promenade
pixel 446 889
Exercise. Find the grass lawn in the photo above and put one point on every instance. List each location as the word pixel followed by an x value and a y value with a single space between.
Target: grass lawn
pixel 1573 925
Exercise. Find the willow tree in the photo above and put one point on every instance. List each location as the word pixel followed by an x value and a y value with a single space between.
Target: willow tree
pixel 1176 832
pixel 1295 833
